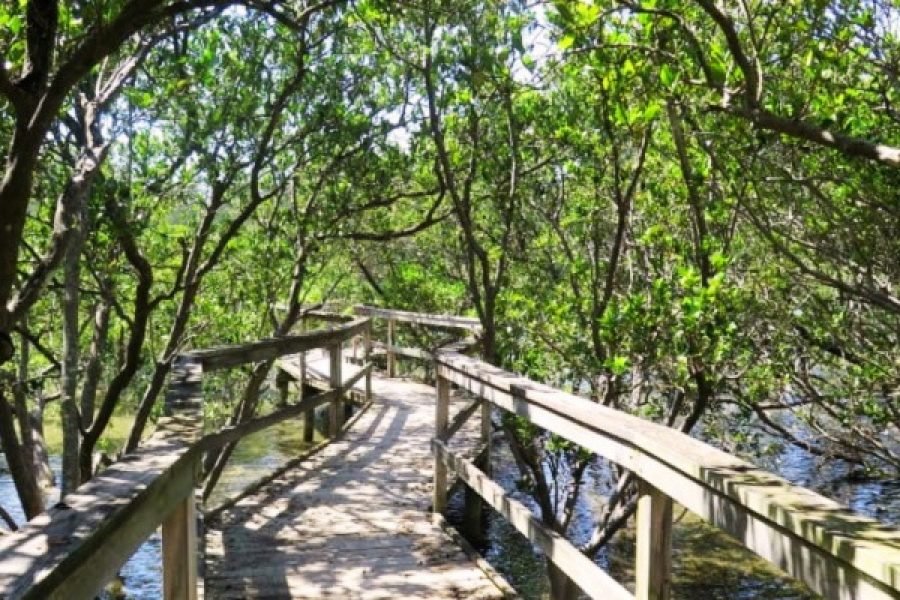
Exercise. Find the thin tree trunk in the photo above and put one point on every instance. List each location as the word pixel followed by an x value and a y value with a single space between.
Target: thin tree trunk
pixel 39 455
pixel 21 396
pixel 19 468
pixel 71 475
pixel 94 368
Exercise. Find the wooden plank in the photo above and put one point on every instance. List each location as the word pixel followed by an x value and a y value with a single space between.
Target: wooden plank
pixel 179 551
pixel 653 572
pixel 391 356
pixel 327 315
pixel 838 554
pixel 74 549
pixel 441 414
pixel 367 350
pixel 224 357
pixel 351 521
pixel 336 408
pixel 487 432
pixel 434 320
pixel 592 580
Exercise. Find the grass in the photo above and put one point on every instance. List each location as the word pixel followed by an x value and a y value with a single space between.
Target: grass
pixel 110 442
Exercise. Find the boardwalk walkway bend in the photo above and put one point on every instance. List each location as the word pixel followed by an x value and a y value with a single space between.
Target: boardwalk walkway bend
pixel 352 517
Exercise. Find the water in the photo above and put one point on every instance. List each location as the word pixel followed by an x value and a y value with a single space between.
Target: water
pixel 706 562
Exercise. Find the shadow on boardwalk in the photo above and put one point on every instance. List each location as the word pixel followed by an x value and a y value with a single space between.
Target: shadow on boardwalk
pixel 352 522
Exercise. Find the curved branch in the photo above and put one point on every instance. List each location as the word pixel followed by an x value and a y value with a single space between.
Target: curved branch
pixel 750 69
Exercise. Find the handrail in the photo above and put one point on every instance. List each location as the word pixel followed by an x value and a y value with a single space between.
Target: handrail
pixel 837 553
pixel 74 549
pixel 433 320
pixel 223 357
pixel 393 317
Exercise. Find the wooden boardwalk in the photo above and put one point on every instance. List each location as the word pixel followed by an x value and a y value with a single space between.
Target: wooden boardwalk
pixel 351 522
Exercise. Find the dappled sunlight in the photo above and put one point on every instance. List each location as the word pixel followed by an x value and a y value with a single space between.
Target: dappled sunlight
pixel 351 521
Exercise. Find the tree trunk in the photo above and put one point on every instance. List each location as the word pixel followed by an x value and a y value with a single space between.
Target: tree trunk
pixel 20 469
pixel 21 397
pixel 39 455
pixel 94 368
pixel 71 474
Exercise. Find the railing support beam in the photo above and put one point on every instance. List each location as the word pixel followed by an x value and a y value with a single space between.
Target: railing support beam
pixel 336 408
pixel 441 419
pixel 653 572
pixel 179 551
pixel 391 357
pixel 367 353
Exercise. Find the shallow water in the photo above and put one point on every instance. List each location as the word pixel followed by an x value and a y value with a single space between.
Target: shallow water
pixel 707 563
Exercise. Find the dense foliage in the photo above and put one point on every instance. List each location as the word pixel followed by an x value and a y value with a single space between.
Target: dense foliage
pixel 686 210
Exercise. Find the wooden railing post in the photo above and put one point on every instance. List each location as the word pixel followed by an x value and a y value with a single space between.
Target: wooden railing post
pixel 486 432
pixel 179 551
pixel 391 357
pixel 653 571
pixel 309 417
pixel 336 408
pixel 367 354
pixel 441 418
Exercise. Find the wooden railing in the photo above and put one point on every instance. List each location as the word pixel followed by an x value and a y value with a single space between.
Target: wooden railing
pixel 75 548
pixel 470 326
pixel 837 553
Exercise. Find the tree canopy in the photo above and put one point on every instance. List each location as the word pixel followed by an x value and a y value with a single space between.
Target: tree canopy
pixel 685 210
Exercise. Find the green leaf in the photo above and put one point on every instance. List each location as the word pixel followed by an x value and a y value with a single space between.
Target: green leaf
pixel 667 76
pixel 15 24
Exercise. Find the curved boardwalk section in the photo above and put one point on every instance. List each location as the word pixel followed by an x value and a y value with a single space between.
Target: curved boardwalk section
pixel 351 522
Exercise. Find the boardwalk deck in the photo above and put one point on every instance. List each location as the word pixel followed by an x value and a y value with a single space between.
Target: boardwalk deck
pixel 353 521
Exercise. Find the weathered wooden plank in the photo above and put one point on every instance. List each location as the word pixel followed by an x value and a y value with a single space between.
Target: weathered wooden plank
pixel 179 551
pixel 350 522
pixel 653 560
pixel 324 314
pixel 367 349
pixel 391 355
pixel 336 408
pixel 592 580
pixel 839 554
pixel 72 551
pixel 224 357
pixel 441 414
pixel 445 321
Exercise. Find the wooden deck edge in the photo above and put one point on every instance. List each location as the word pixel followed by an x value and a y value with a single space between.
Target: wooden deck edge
pixel 213 513
pixel 483 565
